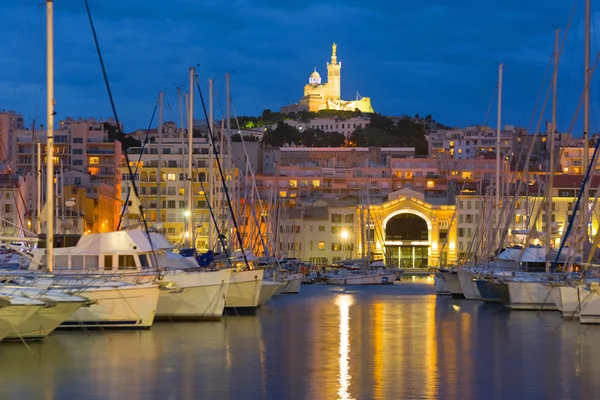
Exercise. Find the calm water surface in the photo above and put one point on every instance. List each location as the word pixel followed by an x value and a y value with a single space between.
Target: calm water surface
pixel 392 342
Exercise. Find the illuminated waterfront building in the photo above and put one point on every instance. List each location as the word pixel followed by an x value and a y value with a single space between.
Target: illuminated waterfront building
pixel 326 96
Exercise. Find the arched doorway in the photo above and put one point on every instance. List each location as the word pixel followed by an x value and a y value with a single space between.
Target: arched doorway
pixel 407 241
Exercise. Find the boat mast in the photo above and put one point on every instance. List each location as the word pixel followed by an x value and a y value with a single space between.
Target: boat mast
pixel 190 194
pixel 159 170
pixel 498 132
pixel 225 152
pixel 39 187
pixel 586 115
pixel 551 135
pixel 210 164
pixel 50 135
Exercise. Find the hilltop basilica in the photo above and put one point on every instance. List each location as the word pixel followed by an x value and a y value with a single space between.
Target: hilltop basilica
pixel 326 96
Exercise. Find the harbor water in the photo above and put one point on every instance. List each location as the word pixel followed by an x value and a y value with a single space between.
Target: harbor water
pixel 372 342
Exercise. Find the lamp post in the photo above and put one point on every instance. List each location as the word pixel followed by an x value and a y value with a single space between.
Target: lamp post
pixel 345 236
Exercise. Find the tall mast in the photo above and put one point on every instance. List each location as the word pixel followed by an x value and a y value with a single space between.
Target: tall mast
pixel 586 114
pixel 159 170
pixel 209 198
pixel 551 135
pixel 498 133
pixel 190 193
pixel 226 151
pixel 50 135
pixel 39 187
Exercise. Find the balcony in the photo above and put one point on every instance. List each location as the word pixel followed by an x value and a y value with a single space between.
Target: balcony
pixel 100 151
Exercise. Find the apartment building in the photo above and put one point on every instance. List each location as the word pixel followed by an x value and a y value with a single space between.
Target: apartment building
pixel 162 182
pixel 471 142
pixel 10 122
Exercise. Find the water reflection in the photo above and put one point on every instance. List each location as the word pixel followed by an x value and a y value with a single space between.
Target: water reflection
pixel 395 342
pixel 344 301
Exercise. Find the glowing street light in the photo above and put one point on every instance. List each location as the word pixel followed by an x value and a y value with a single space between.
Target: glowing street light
pixel 345 234
pixel 187 213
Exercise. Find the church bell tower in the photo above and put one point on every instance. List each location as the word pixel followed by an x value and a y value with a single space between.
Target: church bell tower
pixel 333 75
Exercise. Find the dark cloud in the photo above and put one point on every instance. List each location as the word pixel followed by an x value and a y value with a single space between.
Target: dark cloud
pixel 438 57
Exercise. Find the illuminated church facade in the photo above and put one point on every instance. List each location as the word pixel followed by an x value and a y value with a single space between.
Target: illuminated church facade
pixel 326 96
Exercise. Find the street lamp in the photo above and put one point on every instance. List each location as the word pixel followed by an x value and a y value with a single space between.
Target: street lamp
pixel 345 237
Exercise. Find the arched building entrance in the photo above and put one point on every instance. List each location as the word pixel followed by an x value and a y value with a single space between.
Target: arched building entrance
pixel 407 240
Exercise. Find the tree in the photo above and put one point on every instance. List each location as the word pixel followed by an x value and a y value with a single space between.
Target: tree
pixel 283 134
pixel 330 139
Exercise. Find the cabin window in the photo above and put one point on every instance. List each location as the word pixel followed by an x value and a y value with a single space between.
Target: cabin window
pixel 91 262
pixel 126 262
pixel 61 262
pixel 108 263
pixel 77 262
pixel 144 261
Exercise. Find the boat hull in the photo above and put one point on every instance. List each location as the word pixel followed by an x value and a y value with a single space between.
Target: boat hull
pixel 452 283
pixel 13 316
pixel 244 290
pixel 46 320
pixel 268 289
pixel 530 296
pixel 468 286
pixel 131 306
pixel 362 279
pixel 487 292
pixel 193 295
pixel 292 283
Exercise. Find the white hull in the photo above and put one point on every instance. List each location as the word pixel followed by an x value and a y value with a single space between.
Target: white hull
pixel 12 316
pixel 530 296
pixel 292 283
pixel 441 288
pixel 268 289
pixel 244 289
pixel 45 321
pixel 132 306
pixel 467 285
pixel 193 295
pixel 569 301
pixel 589 306
pixel 361 279
pixel 452 284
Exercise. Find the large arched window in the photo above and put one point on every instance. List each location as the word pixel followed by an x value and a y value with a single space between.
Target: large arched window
pixel 406 227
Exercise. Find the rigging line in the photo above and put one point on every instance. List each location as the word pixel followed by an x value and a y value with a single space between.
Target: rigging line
pixel 489 110
pixel 212 139
pixel 114 110
pixel 541 91
pixel 137 165
pixel 566 99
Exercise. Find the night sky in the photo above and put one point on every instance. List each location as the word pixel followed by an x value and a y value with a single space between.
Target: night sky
pixel 437 58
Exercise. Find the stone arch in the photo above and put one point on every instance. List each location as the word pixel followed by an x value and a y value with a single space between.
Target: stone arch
pixel 414 212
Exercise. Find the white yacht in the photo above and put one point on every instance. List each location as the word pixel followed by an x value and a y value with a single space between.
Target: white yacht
pixel 15 311
pixel 359 277
pixel 58 307
pixel 137 256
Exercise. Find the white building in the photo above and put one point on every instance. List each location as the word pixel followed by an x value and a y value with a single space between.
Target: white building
pixel 471 142
pixel 345 126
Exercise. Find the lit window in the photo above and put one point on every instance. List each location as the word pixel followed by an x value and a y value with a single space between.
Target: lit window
pixel 94 160
pixel 321 245
pixel 93 170
pixel 459 151
pixel 293 183
pixel 467 175
pixel 181 191
pixel 171 177
pixel 283 193
pixel 430 184
pixel 409 175
pixel 138 164
pixel 316 183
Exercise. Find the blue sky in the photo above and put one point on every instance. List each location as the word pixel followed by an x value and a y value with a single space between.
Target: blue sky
pixel 438 57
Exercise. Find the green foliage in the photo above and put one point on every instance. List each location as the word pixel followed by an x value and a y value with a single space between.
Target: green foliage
pixel 383 132
pixel 283 134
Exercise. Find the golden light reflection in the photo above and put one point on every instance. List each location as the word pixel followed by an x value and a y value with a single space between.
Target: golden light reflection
pixel 378 351
pixel 344 301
